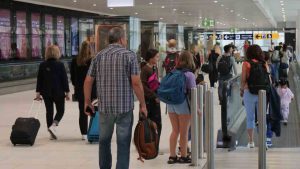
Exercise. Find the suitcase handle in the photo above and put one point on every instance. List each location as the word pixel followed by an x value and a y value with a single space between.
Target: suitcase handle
pixel 31 107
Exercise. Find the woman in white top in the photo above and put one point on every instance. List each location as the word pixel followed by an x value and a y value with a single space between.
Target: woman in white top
pixel 284 61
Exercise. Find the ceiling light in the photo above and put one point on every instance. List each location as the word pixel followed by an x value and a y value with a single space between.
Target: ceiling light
pixel 136 13
pixel 94 5
pixel 200 17
pixel 161 18
pixel 231 11
pixel 222 5
pixel 163 7
pixel 150 3
pixel 75 1
pixel 282 4
pixel 183 12
pixel 281 1
pixel 238 14
pixel 174 9
pixel 215 1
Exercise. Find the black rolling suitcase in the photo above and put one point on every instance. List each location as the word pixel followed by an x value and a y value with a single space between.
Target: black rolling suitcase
pixel 25 130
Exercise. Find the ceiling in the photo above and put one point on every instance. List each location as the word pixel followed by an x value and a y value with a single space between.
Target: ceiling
pixel 242 14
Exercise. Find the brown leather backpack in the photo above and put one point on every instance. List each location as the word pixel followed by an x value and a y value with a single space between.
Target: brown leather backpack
pixel 146 139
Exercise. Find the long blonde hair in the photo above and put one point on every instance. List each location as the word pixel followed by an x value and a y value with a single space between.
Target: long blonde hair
pixel 84 53
pixel 186 61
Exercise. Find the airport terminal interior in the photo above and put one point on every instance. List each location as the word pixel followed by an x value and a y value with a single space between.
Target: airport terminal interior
pixel 219 124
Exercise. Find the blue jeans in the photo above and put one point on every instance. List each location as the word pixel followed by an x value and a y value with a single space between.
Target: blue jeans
pixel 123 123
pixel 275 66
pixel 250 103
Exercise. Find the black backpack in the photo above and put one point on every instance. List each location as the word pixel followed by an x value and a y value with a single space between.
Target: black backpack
pixel 224 66
pixel 170 61
pixel 258 77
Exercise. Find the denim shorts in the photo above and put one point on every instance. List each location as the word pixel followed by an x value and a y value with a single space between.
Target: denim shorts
pixel 179 109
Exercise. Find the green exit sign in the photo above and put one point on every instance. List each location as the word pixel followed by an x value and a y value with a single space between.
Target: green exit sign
pixel 208 23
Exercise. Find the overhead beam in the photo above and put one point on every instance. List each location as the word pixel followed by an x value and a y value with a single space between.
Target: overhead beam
pixel 266 11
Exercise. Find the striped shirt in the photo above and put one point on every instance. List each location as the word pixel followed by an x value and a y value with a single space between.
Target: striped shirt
pixel 112 68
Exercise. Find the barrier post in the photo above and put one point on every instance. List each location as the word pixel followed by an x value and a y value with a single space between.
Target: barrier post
pixel 209 108
pixel 200 121
pixel 205 118
pixel 194 127
pixel 262 129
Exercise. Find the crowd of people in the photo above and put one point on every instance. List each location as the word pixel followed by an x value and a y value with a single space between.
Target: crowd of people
pixel 114 74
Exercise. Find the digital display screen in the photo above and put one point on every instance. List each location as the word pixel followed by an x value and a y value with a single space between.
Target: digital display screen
pixel 60 34
pixel 74 36
pixel 21 34
pixel 4 34
pixel 36 40
pixel 48 30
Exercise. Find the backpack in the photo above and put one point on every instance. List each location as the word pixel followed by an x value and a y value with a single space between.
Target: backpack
pixel 224 66
pixel 170 61
pixel 258 78
pixel 275 56
pixel 146 139
pixel 172 87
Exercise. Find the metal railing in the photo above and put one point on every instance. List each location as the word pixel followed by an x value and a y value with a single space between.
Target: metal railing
pixel 232 115
pixel 262 102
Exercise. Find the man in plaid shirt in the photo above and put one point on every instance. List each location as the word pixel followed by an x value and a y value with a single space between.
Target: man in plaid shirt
pixel 117 75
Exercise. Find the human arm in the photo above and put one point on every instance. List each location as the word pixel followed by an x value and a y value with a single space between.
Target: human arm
pixel 234 65
pixel 243 78
pixel 39 83
pixel 139 92
pixel 65 82
pixel 73 72
pixel 87 89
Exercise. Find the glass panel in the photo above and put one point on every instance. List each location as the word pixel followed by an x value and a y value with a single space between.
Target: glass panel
pixel 35 37
pixel 135 34
pixel 68 37
pixel 4 34
pixel 86 32
pixel 48 30
pixel 21 50
pixel 60 34
pixel 74 35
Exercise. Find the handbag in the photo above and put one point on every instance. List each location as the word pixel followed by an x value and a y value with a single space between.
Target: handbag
pixel 207 68
pixel 153 82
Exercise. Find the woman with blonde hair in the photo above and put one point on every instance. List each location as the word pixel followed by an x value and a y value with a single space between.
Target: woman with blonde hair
pixel 179 114
pixel 79 68
pixel 53 86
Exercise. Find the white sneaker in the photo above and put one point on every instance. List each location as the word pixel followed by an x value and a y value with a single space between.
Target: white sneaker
pixel 83 137
pixel 53 132
pixel 251 145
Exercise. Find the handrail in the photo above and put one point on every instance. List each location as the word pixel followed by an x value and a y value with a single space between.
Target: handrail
pixel 231 110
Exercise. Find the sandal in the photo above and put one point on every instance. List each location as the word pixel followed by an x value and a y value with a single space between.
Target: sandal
pixel 184 160
pixel 173 160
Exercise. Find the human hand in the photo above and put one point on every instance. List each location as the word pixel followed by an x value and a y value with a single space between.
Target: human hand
pixel 89 109
pixel 38 97
pixel 157 100
pixel 67 96
pixel 143 109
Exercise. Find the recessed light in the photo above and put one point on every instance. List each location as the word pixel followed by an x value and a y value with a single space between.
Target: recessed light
pixel 222 5
pixel 150 3
pixel 215 1
pixel 200 17
pixel 94 4
pixel 163 7
pixel 183 12
pixel 136 13
pixel 75 1
pixel 231 11
pixel 161 18
pixel 281 1
pixel 174 9
pixel 282 4
pixel 238 15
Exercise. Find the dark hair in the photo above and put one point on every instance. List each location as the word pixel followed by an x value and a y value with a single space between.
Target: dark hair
pixel 284 47
pixel 266 56
pixel 151 53
pixel 255 52
pixel 227 48
pixel 115 34
pixel 283 82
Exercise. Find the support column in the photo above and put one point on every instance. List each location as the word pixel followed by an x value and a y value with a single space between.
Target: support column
pixel 298 34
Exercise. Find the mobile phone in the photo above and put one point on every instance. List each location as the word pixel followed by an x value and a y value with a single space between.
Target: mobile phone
pixel 88 109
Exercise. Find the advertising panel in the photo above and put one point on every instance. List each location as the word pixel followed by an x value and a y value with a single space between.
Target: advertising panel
pixel 60 34
pixel 21 35
pixel 4 34
pixel 35 38
pixel 48 30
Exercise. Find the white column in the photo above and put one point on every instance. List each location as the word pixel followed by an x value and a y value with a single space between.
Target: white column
pixel 298 34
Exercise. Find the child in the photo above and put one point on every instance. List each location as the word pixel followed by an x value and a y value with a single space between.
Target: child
pixel 286 96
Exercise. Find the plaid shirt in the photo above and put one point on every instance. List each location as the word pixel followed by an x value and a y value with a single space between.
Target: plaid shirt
pixel 112 68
